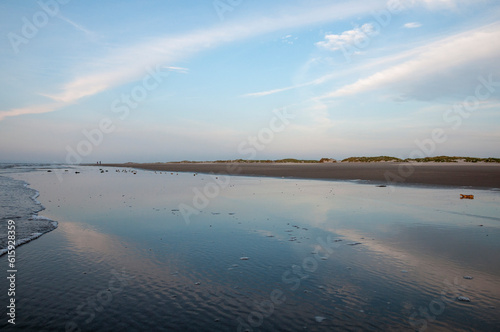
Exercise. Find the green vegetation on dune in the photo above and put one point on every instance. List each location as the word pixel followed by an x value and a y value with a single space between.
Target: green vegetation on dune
pixel 286 160
pixel 440 159
pixel 448 159
pixel 291 160
pixel 371 159
pixel 437 159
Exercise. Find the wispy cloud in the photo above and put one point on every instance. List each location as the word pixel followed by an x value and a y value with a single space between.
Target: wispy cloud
pixel 316 81
pixel 407 55
pixel 38 109
pixel 451 52
pixel 412 25
pixel 439 4
pixel 332 42
pixel 273 91
pixel 77 26
pixel 130 63
pixel 177 69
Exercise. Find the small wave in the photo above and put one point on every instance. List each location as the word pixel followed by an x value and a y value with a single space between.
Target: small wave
pixel 52 222
pixel 19 202
pixel 35 235
pixel 28 239
pixel 35 196
pixel 37 217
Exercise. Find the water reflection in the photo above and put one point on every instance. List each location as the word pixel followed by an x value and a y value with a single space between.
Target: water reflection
pixel 414 244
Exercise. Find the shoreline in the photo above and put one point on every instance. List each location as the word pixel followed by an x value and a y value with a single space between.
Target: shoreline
pixel 475 175
pixel 28 227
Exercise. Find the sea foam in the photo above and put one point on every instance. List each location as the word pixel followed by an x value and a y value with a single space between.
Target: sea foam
pixel 19 203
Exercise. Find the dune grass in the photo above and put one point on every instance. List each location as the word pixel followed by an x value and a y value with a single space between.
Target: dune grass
pixel 437 159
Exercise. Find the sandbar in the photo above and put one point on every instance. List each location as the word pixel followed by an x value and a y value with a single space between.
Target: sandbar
pixel 476 175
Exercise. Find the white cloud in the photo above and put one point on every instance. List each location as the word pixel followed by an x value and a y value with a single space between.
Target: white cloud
pixel 317 81
pixel 129 64
pixel 355 36
pixel 38 109
pixel 412 25
pixel 437 4
pixel 268 92
pixel 77 26
pixel 288 39
pixel 181 70
pixel 456 51
pixel 273 91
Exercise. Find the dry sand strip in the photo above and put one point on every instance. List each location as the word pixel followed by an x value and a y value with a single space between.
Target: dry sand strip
pixel 478 175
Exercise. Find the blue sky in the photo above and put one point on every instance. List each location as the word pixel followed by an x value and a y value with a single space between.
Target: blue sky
pixel 151 81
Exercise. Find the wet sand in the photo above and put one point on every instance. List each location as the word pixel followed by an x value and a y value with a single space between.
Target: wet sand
pixel 480 175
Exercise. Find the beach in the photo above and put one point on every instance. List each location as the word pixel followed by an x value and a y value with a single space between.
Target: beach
pixel 151 250
pixel 245 166
pixel 480 175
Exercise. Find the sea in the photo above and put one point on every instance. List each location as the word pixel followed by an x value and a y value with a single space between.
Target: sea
pixel 115 249
pixel 18 202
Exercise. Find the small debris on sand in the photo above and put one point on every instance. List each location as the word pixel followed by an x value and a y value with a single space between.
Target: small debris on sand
pixel 463 299
pixel 319 319
pixel 244 258
pixel 468 277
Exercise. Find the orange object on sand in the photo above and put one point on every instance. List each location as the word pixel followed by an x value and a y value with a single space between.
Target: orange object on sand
pixel 466 196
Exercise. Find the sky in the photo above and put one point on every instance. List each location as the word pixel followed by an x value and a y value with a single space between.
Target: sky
pixel 157 81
